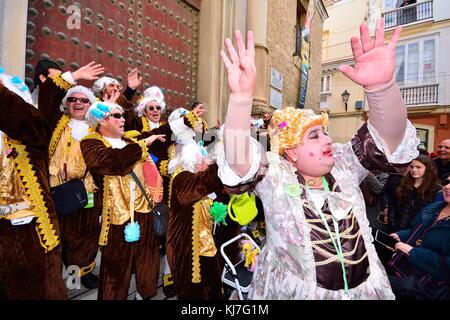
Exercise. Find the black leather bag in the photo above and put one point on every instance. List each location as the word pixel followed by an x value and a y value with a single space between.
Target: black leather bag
pixel 160 219
pixel 69 197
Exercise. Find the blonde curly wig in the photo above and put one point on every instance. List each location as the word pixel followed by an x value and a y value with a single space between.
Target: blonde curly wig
pixel 287 127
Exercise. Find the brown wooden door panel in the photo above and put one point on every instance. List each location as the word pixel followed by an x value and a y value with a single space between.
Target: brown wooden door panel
pixel 160 38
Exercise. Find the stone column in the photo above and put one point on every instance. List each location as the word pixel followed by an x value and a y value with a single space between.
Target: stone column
pixel 13 24
pixel 257 22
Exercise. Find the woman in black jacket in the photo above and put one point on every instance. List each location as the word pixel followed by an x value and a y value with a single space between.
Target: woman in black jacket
pixel 406 197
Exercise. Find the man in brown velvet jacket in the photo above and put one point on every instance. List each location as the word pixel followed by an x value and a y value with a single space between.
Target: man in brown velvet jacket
pixel 111 155
pixel 64 106
pixel 30 254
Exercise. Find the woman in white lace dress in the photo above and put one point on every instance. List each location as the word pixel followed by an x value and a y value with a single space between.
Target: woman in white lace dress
pixel 318 244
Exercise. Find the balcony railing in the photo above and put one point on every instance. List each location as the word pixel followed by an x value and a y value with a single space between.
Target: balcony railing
pixel 419 95
pixel 408 14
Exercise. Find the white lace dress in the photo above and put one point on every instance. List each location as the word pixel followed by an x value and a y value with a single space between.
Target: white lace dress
pixel 286 267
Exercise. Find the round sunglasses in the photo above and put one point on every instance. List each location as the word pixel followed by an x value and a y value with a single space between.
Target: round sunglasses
pixel 151 108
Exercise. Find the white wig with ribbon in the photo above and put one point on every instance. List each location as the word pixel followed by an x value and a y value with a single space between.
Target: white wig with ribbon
pixel 16 85
pixel 99 111
pixel 151 94
pixel 77 89
pixel 102 83
pixel 188 155
pixel 183 133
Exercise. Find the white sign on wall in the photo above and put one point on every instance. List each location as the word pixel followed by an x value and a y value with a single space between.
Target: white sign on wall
pixel 276 99
pixel 276 79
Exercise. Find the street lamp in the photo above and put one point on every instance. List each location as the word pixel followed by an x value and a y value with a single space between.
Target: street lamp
pixel 345 96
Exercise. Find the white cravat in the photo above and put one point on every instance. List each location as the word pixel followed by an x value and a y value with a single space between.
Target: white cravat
pixel 80 128
pixel 116 143
pixel 153 125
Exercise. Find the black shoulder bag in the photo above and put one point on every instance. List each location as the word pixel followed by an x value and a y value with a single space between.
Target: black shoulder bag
pixel 160 212
pixel 70 196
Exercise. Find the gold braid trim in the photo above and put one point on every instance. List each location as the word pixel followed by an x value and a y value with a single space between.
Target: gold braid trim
pixel 164 164
pixel 163 168
pixel 87 269
pixel 145 125
pixel 131 134
pixel 56 136
pixel 98 136
pixel 46 232
pixel 60 82
pixel 106 214
pixel 196 276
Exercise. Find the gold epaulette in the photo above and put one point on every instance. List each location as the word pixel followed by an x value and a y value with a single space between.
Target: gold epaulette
pixel 132 134
pixel 59 81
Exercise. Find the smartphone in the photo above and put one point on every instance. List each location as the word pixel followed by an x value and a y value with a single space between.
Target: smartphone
pixel 385 239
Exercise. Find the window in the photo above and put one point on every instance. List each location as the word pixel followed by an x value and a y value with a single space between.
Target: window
pixel 324 102
pixel 325 84
pixel 416 62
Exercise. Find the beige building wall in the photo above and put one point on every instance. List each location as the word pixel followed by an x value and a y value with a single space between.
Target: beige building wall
pixel 13 23
pixel 337 32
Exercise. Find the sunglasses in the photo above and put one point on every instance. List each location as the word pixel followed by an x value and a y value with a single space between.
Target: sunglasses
pixel 116 115
pixel 151 108
pixel 75 99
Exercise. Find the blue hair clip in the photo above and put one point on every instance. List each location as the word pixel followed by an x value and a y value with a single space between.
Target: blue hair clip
pixel 98 113
pixel 203 150
pixel 201 143
pixel 102 107
pixel 19 83
pixel 183 112
pixel 2 70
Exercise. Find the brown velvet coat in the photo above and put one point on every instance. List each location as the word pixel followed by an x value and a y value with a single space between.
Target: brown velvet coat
pixel 187 189
pixel 81 229
pixel 120 258
pixel 27 271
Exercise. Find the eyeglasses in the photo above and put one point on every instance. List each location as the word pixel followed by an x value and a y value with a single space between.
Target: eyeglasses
pixel 116 115
pixel 75 99
pixel 151 108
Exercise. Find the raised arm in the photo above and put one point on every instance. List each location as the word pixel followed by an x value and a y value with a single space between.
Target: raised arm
pixel 374 70
pixel 22 121
pixel 241 71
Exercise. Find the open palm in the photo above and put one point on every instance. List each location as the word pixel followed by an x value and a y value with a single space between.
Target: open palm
pixel 241 68
pixel 374 62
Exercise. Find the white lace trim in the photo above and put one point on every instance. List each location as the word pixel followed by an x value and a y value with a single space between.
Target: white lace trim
pixel 226 174
pixel 405 152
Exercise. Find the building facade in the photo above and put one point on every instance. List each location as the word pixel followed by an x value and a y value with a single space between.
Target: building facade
pixel 422 69
pixel 175 44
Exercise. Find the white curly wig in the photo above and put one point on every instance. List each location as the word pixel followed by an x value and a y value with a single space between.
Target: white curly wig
pixel 77 89
pixel 16 85
pixel 101 84
pixel 99 110
pixel 151 94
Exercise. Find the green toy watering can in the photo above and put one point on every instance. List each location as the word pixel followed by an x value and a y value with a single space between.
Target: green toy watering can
pixel 244 208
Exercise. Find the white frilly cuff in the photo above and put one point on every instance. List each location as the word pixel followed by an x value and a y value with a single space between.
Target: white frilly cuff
pixel 405 152
pixel 226 174
pixel 69 78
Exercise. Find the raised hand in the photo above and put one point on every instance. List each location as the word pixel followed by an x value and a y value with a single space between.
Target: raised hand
pixel 134 80
pixel 240 66
pixel 113 98
pixel 374 62
pixel 91 71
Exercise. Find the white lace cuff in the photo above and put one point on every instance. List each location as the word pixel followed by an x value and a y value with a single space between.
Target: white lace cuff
pixel 226 174
pixel 405 152
pixel 69 78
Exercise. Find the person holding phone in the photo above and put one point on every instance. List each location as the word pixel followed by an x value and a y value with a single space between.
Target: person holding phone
pixel 426 244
